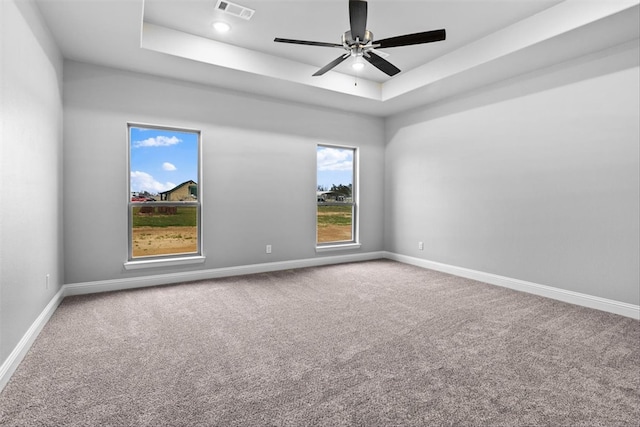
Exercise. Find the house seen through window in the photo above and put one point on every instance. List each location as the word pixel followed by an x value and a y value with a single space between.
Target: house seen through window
pixel 164 204
pixel 336 195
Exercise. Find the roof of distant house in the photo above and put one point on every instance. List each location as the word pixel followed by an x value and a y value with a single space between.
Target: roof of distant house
pixel 178 186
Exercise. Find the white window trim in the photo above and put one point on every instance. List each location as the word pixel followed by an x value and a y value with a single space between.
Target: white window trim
pixel 338 247
pixel 173 259
pixel 355 243
pixel 167 262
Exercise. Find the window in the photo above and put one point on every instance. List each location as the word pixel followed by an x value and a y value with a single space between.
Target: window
pixel 336 216
pixel 164 206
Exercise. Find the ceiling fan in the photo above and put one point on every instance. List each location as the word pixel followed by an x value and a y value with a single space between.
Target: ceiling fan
pixel 359 43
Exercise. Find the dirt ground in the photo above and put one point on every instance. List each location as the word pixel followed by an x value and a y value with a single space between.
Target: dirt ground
pixel 328 232
pixel 333 233
pixel 149 241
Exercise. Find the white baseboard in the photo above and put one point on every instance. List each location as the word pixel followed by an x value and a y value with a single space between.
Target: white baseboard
pixel 189 276
pixel 9 366
pixel 11 363
pixel 611 306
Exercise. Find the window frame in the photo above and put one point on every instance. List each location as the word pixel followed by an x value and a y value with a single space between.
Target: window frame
pixel 167 259
pixel 355 203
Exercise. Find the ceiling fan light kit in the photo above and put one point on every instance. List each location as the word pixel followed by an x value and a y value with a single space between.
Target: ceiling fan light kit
pixel 358 63
pixel 359 42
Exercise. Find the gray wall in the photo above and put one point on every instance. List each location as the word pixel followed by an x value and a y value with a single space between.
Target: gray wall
pixel 535 179
pixel 259 163
pixel 30 172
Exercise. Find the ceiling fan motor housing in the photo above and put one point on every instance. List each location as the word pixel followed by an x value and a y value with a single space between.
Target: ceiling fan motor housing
pixel 349 42
pixel 363 45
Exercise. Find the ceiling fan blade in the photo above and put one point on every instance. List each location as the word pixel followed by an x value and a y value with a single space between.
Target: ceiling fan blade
pixel 409 39
pixel 381 64
pixel 305 42
pixel 358 18
pixel 331 64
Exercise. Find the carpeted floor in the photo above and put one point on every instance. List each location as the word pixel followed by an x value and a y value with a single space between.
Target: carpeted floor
pixel 366 344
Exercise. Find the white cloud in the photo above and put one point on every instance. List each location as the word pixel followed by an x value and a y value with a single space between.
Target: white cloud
pixel 142 181
pixel 158 141
pixel 333 159
pixel 168 166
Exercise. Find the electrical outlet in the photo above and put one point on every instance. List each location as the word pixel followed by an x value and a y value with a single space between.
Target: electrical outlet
pixel 46 281
pixel 268 249
pixel 421 246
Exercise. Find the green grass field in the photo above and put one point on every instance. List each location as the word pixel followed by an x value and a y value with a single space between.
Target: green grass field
pixel 186 216
pixel 334 215
pixel 334 224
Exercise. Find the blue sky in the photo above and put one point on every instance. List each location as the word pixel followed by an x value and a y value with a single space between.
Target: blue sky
pixel 335 166
pixel 162 159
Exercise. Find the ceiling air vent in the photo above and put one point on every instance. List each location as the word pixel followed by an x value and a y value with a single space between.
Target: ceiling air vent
pixel 235 9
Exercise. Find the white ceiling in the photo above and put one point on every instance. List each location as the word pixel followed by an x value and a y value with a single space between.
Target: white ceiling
pixel 487 41
pixel 328 20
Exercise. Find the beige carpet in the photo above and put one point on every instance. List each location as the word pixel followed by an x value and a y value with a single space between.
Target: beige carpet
pixel 366 344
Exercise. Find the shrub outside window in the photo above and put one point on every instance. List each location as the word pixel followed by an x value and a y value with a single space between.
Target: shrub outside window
pixel 164 207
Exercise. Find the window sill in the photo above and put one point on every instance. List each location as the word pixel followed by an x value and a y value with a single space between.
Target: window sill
pixel 338 247
pixel 167 262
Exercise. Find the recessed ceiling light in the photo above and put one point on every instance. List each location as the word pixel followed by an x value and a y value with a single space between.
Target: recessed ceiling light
pixel 221 27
